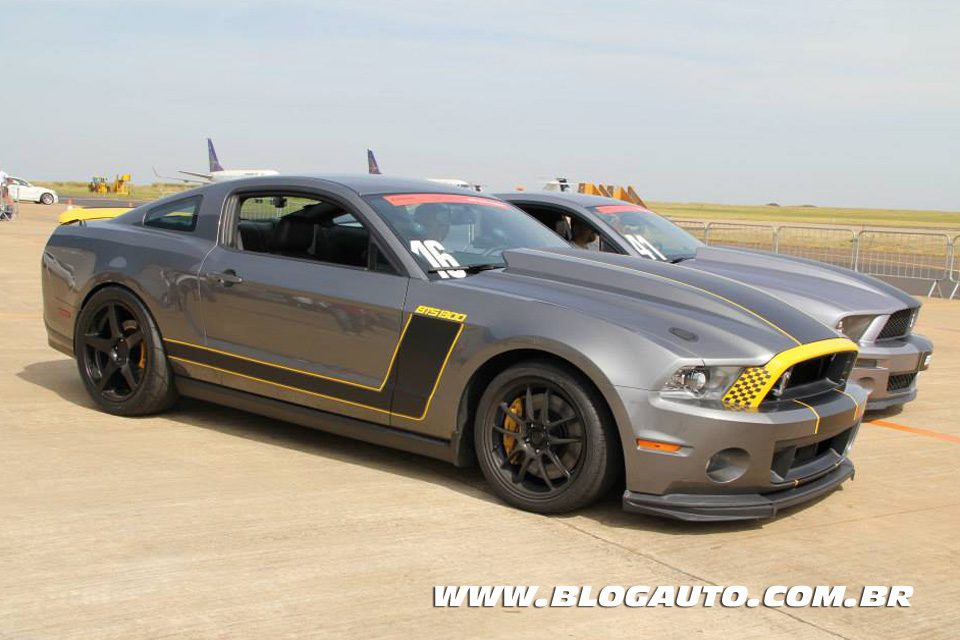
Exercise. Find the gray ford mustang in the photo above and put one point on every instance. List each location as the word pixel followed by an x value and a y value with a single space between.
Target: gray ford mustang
pixel 878 316
pixel 406 313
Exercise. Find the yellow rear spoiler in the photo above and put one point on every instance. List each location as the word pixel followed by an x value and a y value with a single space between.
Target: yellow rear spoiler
pixel 80 213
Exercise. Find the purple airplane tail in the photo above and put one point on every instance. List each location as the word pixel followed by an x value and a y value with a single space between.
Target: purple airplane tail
pixel 372 166
pixel 212 155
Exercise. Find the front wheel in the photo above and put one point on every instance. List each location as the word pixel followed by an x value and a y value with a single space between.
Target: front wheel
pixel 120 355
pixel 46 198
pixel 544 440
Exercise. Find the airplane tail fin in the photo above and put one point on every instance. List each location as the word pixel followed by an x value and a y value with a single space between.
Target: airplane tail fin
pixel 372 166
pixel 212 154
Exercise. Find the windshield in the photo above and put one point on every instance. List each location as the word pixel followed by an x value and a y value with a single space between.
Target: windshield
pixel 445 231
pixel 649 234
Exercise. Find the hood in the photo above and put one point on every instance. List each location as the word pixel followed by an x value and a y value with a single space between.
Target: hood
pixel 694 313
pixel 824 291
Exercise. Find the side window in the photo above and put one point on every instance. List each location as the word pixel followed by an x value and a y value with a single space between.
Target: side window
pixel 606 247
pixel 584 235
pixel 180 215
pixel 305 228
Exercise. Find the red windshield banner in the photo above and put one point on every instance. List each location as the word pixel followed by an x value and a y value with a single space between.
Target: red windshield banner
pixel 406 199
pixel 620 208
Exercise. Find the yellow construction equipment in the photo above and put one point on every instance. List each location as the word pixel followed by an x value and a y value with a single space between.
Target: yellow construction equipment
pixel 121 184
pixel 98 184
pixel 627 194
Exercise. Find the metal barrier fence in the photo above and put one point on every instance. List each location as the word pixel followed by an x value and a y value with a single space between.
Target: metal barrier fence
pixel 746 236
pixel 694 227
pixel 954 266
pixel 912 255
pixel 833 246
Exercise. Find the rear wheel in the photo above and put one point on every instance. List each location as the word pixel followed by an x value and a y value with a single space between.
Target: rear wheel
pixel 542 441
pixel 120 355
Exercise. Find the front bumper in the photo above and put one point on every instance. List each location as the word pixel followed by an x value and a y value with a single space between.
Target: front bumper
pixel 744 506
pixel 889 370
pixel 723 464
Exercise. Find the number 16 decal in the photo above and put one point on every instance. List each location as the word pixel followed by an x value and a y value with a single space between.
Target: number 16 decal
pixel 434 253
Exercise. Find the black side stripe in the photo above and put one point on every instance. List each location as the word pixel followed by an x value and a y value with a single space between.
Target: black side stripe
pixel 421 357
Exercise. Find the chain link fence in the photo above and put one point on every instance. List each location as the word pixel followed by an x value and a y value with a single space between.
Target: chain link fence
pixel 909 255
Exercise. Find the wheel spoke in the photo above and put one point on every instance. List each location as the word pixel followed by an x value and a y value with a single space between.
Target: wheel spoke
pixel 134 339
pixel 557 441
pixel 506 409
pixel 560 422
pixel 505 431
pixel 105 374
pixel 127 372
pixel 522 471
pixel 103 345
pixel 545 411
pixel 556 462
pixel 506 462
pixel 114 320
pixel 528 409
pixel 543 472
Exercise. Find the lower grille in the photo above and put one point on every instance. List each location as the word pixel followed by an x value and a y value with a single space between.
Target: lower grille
pixel 794 463
pixel 900 381
pixel 898 325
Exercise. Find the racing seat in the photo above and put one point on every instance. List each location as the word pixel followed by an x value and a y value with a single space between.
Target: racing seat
pixel 256 235
pixel 293 238
pixel 343 245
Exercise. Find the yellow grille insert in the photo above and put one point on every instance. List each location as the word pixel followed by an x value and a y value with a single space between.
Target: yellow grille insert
pixel 754 383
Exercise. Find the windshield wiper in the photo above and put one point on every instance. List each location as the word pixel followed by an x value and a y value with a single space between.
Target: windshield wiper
pixel 679 259
pixel 469 268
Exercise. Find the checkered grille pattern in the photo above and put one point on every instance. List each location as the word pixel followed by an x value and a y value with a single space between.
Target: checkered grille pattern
pixel 749 388
pixel 898 325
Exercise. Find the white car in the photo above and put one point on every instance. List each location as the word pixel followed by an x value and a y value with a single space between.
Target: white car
pixel 23 191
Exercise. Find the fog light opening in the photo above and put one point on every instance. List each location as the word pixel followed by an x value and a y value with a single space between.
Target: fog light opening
pixel 728 465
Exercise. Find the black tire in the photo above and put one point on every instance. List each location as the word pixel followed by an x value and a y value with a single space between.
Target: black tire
pixel 571 452
pixel 46 198
pixel 120 355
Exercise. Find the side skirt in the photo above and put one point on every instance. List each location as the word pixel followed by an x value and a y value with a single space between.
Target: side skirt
pixel 315 419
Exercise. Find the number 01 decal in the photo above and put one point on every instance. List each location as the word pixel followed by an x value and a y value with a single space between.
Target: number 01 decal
pixel 441 261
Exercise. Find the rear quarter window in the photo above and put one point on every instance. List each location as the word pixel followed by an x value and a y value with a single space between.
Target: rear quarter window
pixel 180 215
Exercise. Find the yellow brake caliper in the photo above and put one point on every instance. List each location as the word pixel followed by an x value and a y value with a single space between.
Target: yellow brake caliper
pixel 509 442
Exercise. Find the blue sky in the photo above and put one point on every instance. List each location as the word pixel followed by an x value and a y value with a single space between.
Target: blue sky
pixel 834 103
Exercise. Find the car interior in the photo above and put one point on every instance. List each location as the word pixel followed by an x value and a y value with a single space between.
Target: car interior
pixel 561 222
pixel 306 229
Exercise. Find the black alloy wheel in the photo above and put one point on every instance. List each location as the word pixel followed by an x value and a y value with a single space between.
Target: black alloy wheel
pixel 120 355
pixel 544 440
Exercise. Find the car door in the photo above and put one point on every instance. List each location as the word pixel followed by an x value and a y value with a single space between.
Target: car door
pixel 28 192
pixel 300 304
pixel 15 189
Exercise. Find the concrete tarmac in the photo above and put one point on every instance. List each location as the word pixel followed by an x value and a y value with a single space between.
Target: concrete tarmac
pixel 206 522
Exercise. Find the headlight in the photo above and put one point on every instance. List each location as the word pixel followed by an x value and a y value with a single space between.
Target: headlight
pixel 700 383
pixel 854 326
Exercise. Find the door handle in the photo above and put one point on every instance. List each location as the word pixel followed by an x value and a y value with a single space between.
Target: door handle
pixel 226 278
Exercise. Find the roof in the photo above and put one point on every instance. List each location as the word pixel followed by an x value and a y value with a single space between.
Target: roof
pixel 581 199
pixel 366 183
